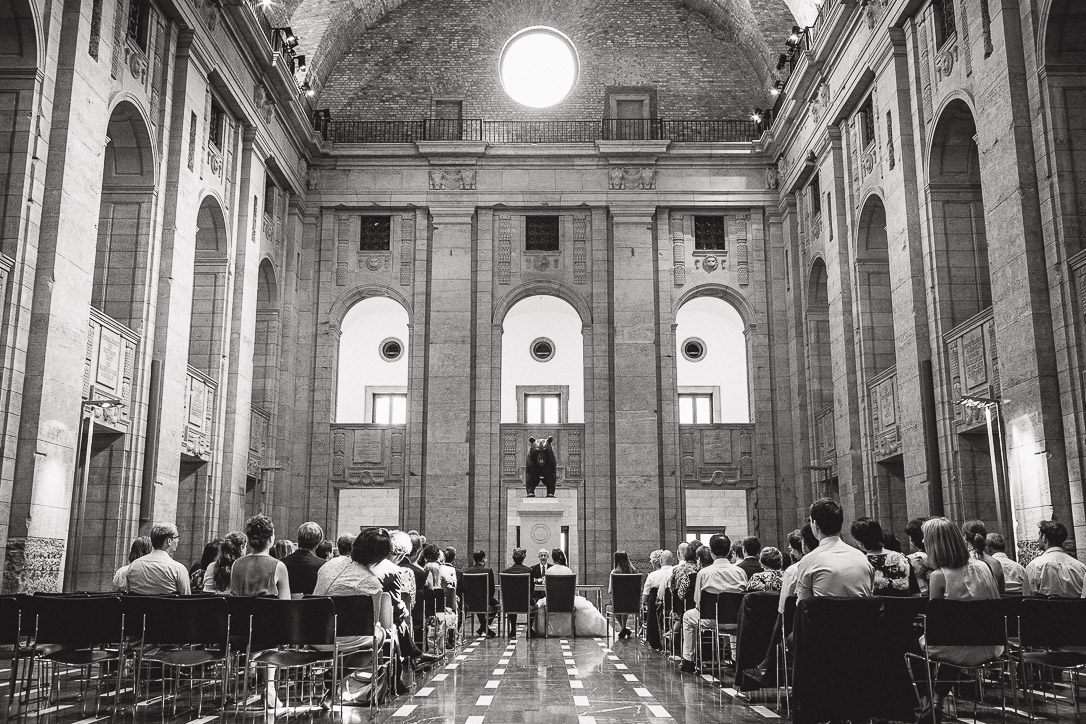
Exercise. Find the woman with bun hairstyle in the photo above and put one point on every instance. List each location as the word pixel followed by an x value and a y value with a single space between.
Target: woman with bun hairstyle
pixel 976 540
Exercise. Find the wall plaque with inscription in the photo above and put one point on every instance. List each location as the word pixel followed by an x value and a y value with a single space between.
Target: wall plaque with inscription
pixel 109 360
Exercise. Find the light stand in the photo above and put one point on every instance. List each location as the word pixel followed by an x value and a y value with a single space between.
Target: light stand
pixel 993 420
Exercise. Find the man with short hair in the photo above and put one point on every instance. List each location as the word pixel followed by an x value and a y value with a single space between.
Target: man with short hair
pixel 540 569
pixel 1054 573
pixel 750 563
pixel 1014 573
pixel 480 566
pixel 834 568
pixel 157 573
pixel 658 578
pixel 303 564
pixel 344 544
pixel 518 568
pixel 721 577
pixel 335 566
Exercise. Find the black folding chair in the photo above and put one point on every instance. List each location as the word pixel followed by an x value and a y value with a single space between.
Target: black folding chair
pixel 968 623
pixel 476 598
pixel 1046 626
pixel 11 648
pixel 561 594
pixel 516 599
pixel 625 600
pixel 363 643
pixel 184 634
pixel 757 619
pixel 435 628
pixel 285 635
pixel 84 632
pixel 240 611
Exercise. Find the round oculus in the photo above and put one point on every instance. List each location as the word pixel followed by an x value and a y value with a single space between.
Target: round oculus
pixel 538 67
pixel 542 349
pixel 693 349
pixel 391 349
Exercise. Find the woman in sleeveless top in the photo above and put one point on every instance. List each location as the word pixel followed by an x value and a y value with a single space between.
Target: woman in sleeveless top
pixel 258 574
pixel 976 539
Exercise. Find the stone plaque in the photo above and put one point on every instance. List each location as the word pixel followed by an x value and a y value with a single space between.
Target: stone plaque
pixel 109 359
pixel 975 362
pixel 197 401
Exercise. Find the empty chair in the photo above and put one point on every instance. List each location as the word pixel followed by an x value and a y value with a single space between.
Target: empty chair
pixel 293 634
pixel 561 594
pixel 625 599
pixel 1046 626
pixel 516 598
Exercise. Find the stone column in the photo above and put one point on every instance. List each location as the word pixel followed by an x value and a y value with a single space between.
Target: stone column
pixel 636 441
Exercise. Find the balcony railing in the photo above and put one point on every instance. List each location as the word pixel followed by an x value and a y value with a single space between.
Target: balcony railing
pixel 558 131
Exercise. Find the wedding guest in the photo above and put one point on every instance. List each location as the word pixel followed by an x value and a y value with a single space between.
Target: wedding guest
pixel 140 547
pixel 217 575
pixel 1055 573
pixel 976 539
pixel 1014 573
pixel 157 573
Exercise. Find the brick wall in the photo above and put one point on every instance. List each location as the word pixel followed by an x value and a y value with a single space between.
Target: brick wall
pixel 414 54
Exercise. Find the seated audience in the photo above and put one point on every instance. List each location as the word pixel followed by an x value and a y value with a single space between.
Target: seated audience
pixel 976 539
pixel 683 574
pixel 1014 573
pixel 657 580
pixel 282 548
pixel 303 564
pixel 326 550
pixel 891 568
pixel 257 573
pixel 918 559
pixel 834 568
pixel 770 577
pixel 622 566
pixel 722 576
pixel 751 548
pixel 217 575
pixel 140 547
pixel 958 577
pixel 1055 573
pixel 705 557
pixel 157 573
pixel 587 620
pixel 396 580
pixel 518 568
pixel 485 620
pixel 196 573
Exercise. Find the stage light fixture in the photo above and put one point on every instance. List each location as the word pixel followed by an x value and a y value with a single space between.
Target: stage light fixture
pixel 782 60
pixel 757 115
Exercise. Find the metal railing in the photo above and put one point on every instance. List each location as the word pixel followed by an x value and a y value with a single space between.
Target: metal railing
pixel 557 131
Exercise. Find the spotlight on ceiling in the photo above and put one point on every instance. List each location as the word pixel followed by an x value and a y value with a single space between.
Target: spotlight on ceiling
pixel 782 60
pixel 757 115
pixel 777 88
pixel 288 36
pixel 794 36
pixel 307 89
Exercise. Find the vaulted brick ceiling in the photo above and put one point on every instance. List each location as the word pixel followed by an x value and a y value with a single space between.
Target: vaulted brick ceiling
pixel 326 28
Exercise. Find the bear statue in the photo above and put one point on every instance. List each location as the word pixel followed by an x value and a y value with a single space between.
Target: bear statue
pixel 540 466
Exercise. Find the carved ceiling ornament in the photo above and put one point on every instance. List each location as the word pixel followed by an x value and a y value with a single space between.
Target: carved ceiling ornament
pixel 631 178
pixel 452 179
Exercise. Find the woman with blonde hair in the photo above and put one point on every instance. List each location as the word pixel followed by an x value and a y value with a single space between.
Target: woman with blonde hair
pixel 957 577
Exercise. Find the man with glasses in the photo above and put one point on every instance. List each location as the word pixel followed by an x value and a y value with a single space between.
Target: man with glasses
pixel 157 573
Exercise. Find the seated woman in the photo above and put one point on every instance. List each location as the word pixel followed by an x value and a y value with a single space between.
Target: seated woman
pixel 770 577
pixel 588 621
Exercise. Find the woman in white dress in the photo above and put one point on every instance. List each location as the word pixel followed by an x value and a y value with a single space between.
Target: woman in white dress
pixel 589 621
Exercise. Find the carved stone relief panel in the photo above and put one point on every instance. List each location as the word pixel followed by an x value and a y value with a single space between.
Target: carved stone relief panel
pixel 368 454
pixel 452 179
pixel 717 455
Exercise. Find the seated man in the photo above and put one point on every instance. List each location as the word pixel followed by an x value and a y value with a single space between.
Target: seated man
pixel 750 564
pixel 303 564
pixel 1053 573
pixel 481 566
pixel 157 573
pixel 518 567
pixel 834 568
pixel 722 576
pixel 664 563
pixel 1014 573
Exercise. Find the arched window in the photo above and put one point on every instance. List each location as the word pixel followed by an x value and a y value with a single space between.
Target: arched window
pixel 542 362
pixel 877 345
pixel 209 289
pixel 819 365
pixel 711 363
pixel 373 364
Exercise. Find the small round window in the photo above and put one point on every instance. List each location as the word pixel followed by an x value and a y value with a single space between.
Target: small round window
pixel 391 349
pixel 694 349
pixel 542 350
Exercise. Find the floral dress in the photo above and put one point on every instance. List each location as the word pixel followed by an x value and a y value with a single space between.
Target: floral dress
pixel 682 578
pixel 891 573
pixel 767 580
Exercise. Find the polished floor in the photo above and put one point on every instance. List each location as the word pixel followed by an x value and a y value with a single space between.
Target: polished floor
pixel 580 681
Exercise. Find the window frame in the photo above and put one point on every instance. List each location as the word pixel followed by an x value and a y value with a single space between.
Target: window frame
pixel 945 22
pixel 526 391
pixel 142 11
pixel 710 391
pixel 387 220
pixel 557 221
pixel 814 193
pixel 370 409
pixel 866 118
pixel 698 248
pixel 216 127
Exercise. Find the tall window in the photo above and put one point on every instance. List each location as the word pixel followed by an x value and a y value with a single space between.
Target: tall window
pixel 815 193
pixel 945 26
pixel 695 409
pixel 867 123
pixel 139 18
pixel 541 409
pixel 389 408
pixel 217 131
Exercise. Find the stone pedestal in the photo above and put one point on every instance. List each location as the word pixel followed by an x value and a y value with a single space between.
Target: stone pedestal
pixel 540 521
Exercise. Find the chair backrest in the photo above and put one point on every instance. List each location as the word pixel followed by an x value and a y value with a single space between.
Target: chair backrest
pixel 516 592
pixel 241 610
pixel 434 601
pixel 966 623
pixel 9 620
pixel 355 615
pixel 1053 622
pixel 790 604
pixel 727 608
pixel 626 592
pixel 77 620
pixel 707 603
pixel 384 611
pixel 177 621
pixel 476 591
pixel 561 591
pixel 303 622
pixel 899 616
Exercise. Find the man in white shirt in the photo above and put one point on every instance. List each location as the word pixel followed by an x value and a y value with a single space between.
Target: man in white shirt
pixel 721 577
pixel 1016 582
pixel 834 568
pixel 658 578
pixel 157 573
pixel 1054 572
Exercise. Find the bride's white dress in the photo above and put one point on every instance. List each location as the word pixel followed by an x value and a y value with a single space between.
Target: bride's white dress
pixel 589 621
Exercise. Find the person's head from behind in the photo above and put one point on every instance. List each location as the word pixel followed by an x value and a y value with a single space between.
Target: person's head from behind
pixel 324 550
pixel 667 558
pixel 450 554
pixel 1052 534
pixel 231 549
pixel 211 552
pixel 868 533
pixel 519 554
pixel 976 535
pixel 752 546
pixel 654 559
pixel 309 536
pixel 690 555
pixel 995 543
pixel 430 553
pixel 260 533
pixel 914 531
pixel 622 562
pixel 826 517
pixel 945 544
pixel 810 541
pixel 416 546
pixel 282 548
pixel 558 556
pixel 720 545
pixel 890 541
pixel 344 544
pixel 140 547
pixel 795 545
pixel 401 545
pixel 770 558
pixel 372 546
pixel 705 556
pixel 163 537
pixel 680 551
pixel 479 557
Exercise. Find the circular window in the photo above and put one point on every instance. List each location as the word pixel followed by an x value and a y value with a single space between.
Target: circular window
pixel 538 67
pixel 391 349
pixel 693 349
pixel 542 350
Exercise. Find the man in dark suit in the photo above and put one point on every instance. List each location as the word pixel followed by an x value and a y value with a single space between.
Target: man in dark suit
pixel 540 569
pixel 751 548
pixel 519 568
pixel 481 566
pixel 303 564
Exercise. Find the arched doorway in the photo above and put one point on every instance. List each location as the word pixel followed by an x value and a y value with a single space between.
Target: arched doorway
pixel 260 489
pixel 823 467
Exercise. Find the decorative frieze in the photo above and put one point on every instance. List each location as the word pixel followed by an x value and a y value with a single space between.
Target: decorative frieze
pixel 925 72
pixel 452 179
pixel 505 248
pixel 944 62
pixel 772 178
pixel 974 366
pixel 719 455
pixel 626 178
pixel 365 455
pixel 259 425
pixel 678 250
pixel 580 248
pixel 742 253
pixel 407 247
pixel 117 64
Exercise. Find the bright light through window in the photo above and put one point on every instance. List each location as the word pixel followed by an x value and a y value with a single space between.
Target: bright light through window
pixel 538 67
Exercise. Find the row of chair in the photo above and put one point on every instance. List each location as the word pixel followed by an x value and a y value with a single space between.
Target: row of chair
pixel 205 639
pixel 516 597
